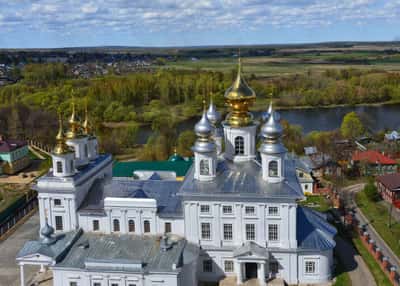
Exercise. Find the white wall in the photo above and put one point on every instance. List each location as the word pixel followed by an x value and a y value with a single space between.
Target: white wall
pixel 324 267
pixel 286 221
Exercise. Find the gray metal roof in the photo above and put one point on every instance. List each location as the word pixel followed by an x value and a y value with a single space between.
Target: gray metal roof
pixel 313 231
pixel 164 192
pixel 243 179
pixel 56 250
pixel 251 248
pixel 127 253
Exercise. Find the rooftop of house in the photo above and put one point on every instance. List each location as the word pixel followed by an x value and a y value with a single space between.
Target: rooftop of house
pixel 9 145
pixel 390 181
pixel 175 164
pixel 243 179
pixel 372 157
pixel 134 253
pixel 164 192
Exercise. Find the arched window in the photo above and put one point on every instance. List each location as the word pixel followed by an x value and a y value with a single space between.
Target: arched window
pixel 273 169
pixel 131 225
pixel 59 167
pixel 86 151
pixel 115 225
pixel 146 226
pixel 71 165
pixel 239 145
pixel 204 167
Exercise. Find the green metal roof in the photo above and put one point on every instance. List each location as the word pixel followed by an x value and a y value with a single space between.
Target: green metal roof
pixel 126 169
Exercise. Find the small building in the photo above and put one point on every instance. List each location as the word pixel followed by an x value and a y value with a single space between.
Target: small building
pixel 304 174
pixel 392 136
pixel 14 155
pixel 389 188
pixel 373 163
pixel 175 168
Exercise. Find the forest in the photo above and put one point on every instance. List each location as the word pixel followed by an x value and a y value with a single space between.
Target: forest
pixel 166 97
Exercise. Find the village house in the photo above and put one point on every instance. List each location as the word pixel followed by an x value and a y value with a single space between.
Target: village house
pixel 13 155
pixel 373 163
pixel 389 188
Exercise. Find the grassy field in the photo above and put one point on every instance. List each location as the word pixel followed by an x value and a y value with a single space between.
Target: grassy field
pixel 9 194
pixel 342 277
pixel 319 203
pixel 292 64
pixel 378 216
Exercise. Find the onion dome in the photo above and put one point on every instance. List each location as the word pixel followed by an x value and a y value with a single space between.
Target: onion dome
pixel 239 97
pixel 61 147
pixel 74 125
pixel 265 115
pixel 86 125
pixel 203 130
pixel 47 232
pixel 272 131
pixel 212 114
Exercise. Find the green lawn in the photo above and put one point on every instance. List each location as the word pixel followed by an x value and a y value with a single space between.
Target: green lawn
pixel 342 277
pixel 378 215
pixel 9 194
pixel 380 277
pixel 319 203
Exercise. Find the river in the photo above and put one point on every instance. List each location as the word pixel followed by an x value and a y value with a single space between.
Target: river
pixel 375 117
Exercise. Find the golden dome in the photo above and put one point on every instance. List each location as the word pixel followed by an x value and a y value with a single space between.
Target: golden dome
pixel 239 89
pixel 74 125
pixel 86 125
pixel 239 97
pixel 61 147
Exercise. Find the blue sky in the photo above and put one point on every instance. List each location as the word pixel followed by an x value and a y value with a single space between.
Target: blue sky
pixel 65 23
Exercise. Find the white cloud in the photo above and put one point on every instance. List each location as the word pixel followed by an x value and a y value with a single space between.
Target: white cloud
pixel 69 15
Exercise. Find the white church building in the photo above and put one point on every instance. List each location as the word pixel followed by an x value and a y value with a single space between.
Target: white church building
pixel 235 215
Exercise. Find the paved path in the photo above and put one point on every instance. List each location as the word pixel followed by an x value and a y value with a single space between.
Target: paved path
pixel 9 270
pixel 354 264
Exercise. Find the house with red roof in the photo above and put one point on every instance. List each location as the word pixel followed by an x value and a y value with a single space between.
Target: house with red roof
pixel 373 163
pixel 389 188
pixel 14 155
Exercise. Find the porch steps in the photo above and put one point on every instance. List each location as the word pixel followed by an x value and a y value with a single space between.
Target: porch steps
pixel 231 281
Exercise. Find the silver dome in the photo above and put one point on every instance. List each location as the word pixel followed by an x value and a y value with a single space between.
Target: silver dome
pixel 212 114
pixel 203 128
pixel 272 129
pixel 204 146
pixel 265 115
pixel 47 232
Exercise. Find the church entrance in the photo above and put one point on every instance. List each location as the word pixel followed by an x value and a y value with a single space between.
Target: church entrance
pixel 251 270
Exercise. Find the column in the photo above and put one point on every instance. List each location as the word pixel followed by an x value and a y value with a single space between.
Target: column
pixel 261 278
pixel 239 273
pixel 21 271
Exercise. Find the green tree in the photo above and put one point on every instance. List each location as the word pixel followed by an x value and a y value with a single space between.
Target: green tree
pixel 185 142
pixel 352 126
pixel 371 191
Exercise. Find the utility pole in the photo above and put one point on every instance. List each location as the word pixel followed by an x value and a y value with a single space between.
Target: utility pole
pixel 390 211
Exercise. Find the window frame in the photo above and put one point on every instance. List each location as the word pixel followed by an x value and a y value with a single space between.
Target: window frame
pixel 250 233
pixel 207 266
pixel 59 222
pixel 95 225
pixel 227 233
pixel 208 211
pixel 273 213
pixel 231 267
pixel 131 226
pixel 239 145
pixel 204 167
pixel 205 233
pixel 57 202
pixel 116 225
pixel 273 171
pixel 310 269
pixel 225 212
pixel 168 227
pixel 146 226
pixel 59 167
pixel 272 235
pixel 250 213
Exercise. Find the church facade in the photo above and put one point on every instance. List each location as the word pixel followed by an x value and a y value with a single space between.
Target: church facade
pixel 235 214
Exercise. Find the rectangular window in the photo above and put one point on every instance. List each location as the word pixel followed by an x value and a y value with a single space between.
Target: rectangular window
pixel 250 231
pixel 273 211
pixel 96 284
pixel 205 209
pixel 228 232
pixel 168 227
pixel 57 202
pixel 59 222
pixel 73 283
pixel 207 266
pixel 205 230
pixel 228 266
pixel 96 225
pixel 273 232
pixel 249 210
pixel 227 209
pixel 59 167
pixel 310 267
